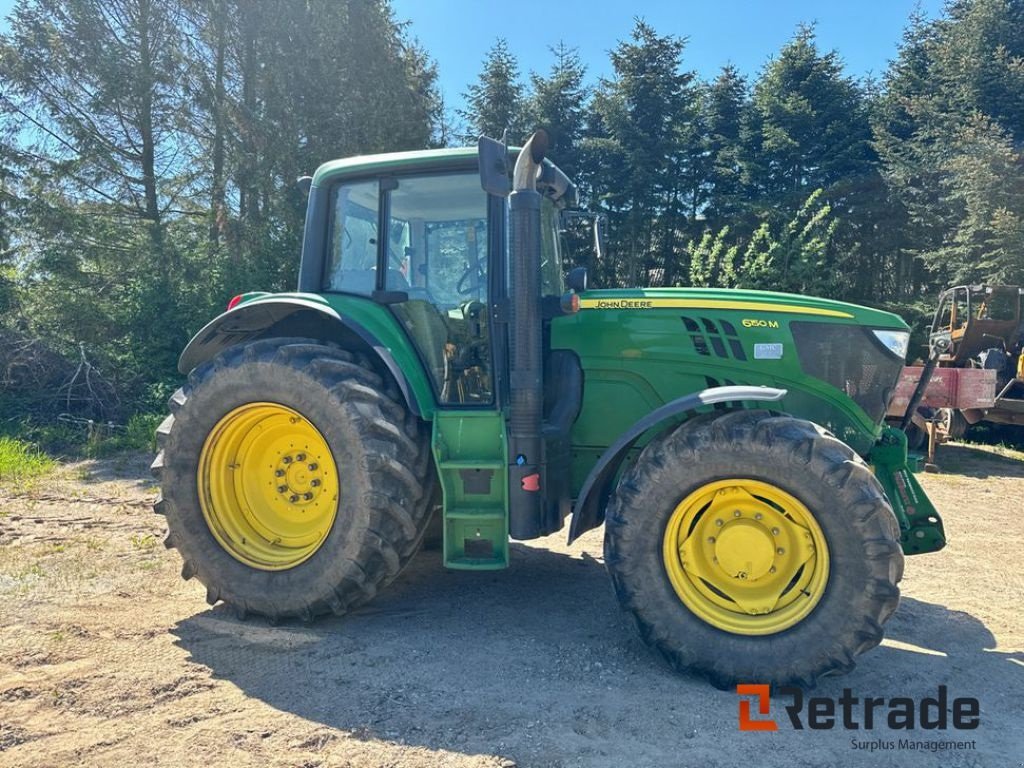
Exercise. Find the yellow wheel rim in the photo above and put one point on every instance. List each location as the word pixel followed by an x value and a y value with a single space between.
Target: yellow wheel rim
pixel 746 556
pixel 268 486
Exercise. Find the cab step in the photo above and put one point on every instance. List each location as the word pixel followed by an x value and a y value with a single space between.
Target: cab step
pixel 471 456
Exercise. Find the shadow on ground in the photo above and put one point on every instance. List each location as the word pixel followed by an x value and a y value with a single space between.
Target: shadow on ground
pixel 970 461
pixel 538 661
pixel 129 470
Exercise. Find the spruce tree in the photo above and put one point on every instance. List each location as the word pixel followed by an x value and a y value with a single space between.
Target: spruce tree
pixel 496 101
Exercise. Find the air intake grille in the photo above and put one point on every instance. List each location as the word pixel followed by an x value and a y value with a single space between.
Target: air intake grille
pixel 709 337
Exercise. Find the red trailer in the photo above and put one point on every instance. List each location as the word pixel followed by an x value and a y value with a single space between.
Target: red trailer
pixel 960 388
pixel 954 399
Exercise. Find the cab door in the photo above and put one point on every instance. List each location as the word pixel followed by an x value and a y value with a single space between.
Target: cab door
pixel 437 255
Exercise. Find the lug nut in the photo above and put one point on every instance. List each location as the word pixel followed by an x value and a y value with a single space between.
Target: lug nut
pixel 711 539
pixel 282 488
pixel 719 523
pixel 781 551
pixel 772 569
pixel 307 496
pixel 293 498
pixel 314 467
pixel 301 457
pixel 758 516
pixel 287 460
pixel 737 513
pixel 775 531
pixel 315 483
pixel 279 473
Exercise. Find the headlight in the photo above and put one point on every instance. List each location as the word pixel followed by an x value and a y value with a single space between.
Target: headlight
pixel 895 341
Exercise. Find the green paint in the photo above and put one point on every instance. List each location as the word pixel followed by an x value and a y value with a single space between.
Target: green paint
pixel 640 358
pixel 920 526
pixel 393 161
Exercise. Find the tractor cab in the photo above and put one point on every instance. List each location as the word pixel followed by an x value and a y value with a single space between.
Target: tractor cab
pixel 431 245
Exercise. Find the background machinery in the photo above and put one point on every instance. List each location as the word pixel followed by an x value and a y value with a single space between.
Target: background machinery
pixel 976 340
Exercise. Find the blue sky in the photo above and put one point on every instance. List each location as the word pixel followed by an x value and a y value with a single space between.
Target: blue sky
pixel 744 32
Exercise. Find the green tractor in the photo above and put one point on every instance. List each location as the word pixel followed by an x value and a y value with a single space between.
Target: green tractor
pixel 435 371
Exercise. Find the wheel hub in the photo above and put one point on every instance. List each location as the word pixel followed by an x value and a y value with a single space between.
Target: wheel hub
pixel 746 556
pixel 744 550
pixel 301 480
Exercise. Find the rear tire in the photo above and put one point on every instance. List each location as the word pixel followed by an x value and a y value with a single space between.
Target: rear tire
pixel 863 563
pixel 383 490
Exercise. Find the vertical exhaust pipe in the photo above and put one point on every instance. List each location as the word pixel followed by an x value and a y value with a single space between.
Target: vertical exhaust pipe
pixel 526 386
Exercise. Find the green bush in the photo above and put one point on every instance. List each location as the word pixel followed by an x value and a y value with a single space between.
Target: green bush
pixel 138 435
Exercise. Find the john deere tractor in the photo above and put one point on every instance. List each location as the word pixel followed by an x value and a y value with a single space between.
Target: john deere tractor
pixel 436 368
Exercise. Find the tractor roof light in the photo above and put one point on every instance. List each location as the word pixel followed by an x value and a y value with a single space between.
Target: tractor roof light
pixel 896 342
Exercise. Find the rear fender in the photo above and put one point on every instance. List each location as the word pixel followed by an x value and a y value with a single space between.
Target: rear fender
pixel 588 512
pixel 292 316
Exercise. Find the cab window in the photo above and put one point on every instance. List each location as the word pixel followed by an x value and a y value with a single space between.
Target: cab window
pixel 352 266
pixel 551 271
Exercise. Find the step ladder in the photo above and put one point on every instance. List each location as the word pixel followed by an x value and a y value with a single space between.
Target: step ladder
pixel 472 460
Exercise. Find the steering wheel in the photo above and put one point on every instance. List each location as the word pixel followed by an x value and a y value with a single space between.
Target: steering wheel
pixel 472 270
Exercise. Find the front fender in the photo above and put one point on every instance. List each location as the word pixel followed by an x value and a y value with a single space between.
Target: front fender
pixel 294 315
pixel 588 511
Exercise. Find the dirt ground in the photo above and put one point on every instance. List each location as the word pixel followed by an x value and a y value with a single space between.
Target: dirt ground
pixel 107 658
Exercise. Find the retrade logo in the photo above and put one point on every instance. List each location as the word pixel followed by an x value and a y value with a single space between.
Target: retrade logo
pixel 849 712
pixel 761 692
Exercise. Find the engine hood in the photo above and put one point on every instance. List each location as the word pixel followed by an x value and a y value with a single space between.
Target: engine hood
pixel 763 303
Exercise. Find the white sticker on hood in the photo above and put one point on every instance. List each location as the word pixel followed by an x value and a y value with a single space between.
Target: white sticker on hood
pixel 767 351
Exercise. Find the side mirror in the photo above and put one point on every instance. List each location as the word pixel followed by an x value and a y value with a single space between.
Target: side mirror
pixel 576 280
pixel 493 159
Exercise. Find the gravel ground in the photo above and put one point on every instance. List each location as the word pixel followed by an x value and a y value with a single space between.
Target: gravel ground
pixel 107 658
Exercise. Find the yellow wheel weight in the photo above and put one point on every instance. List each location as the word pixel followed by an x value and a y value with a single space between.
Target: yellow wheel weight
pixel 268 486
pixel 746 556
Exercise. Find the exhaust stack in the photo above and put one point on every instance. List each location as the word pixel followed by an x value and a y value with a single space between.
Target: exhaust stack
pixel 526 386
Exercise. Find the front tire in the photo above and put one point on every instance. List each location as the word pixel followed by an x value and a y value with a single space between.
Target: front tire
pixel 293 481
pixel 754 547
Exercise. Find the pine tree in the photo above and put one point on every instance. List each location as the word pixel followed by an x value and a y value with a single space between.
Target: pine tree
pixel 813 123
pixel 724 107
pixel 813 132
pixel 558 103
pixel 496 101
pixel 949 135
pixel 96 84
pixel 8 202
pixel 910 158
pixel 643 141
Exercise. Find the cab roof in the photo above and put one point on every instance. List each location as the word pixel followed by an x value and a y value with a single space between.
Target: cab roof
pixel 418 160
